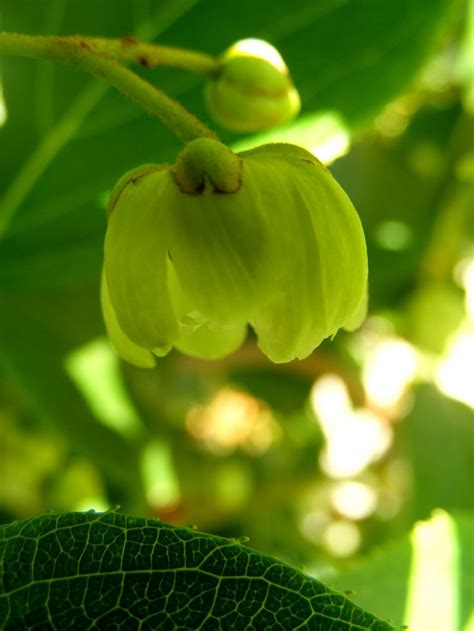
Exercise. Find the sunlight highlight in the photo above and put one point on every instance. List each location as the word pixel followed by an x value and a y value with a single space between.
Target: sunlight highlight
pixel 233 419
pixel 253 47
pixel 159 476
pixel 432 601
pixel 94 368
pixel 354 437
pixel 3 106
pixel 354 500
pixel 464 275
pixel 454 372
pixel 454 375
pixel 97 504
pixel 393 235
pixel 342 538
pixel 395 117
pixel 313 526
pixel 324 134
pixel 389 370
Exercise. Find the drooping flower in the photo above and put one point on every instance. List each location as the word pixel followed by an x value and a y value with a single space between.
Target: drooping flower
pixel 197 251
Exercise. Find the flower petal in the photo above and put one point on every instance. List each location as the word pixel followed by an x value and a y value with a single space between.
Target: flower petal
pixel 359 315
pixel 217 246
pixel 341 243
pixel 198 338
pixel 124 346
pixel 206 342
pixel 135 262
pixel 318 258
pixel 291 320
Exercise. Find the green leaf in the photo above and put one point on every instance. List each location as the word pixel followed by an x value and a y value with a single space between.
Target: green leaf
pixel 36 334
pixel 438 435
pixel 347 58
pixel 89 570
pixel 404 227
pixel 428 573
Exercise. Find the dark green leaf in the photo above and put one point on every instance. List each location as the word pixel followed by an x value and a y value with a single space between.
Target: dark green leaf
pixel 109 571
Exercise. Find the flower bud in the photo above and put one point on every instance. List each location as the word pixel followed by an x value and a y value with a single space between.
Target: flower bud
pixel 196 252
pixel 252 90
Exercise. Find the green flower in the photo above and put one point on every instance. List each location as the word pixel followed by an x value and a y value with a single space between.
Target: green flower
pixel 251 92
pixel 196 251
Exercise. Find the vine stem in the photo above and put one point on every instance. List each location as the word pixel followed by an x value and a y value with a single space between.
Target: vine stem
pixel 76 51
pixel 131 49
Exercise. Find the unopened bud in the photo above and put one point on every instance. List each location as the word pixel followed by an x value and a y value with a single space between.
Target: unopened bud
pixel 253 89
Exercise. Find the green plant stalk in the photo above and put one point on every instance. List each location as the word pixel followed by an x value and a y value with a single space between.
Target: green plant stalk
pixel 131 49
pixel 76 52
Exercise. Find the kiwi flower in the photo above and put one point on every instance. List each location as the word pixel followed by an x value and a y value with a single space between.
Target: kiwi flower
pixel 196 251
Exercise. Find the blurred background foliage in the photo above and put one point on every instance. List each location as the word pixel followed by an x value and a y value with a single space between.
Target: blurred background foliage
pixel 326 463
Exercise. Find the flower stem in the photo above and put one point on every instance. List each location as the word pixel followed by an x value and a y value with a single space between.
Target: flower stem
pixel 149 55
pixel 75 51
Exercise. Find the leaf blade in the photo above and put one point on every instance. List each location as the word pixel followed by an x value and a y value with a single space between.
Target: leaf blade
pixel 144 572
